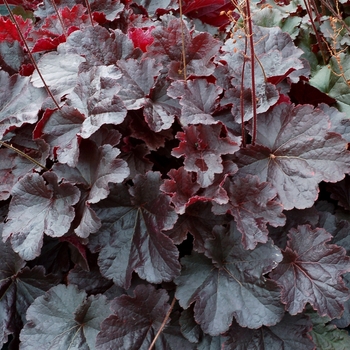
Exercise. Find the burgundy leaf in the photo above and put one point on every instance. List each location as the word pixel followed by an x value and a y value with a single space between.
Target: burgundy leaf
pixel 110 8
pixel 19 102
pixel 294 152
pixel 60 72
pixel 311 272
pixel 99 46
pixel 91 281
pixel 294 218
pixel 202 146
pixel 253 206
pixel 198 98
pixel 230 284
pixel 137 80
pixel 303 93
pixel 137 162
pixel 341 192
pixel 276 56
pixel 167 46
pixel 290 333
pixel 131 237
pixel 340 122
pixel 135 320
pixel 199 221
pixel 141 130
pixel 95 169
pixel 159 108
pixel 60 129
pixel 36 208
pixel 52 31
pixel 64 318
pixel 141 37
pixel 19 286
pixel 14 166
pixel 95 96
pixel 182 187
pixel 11 56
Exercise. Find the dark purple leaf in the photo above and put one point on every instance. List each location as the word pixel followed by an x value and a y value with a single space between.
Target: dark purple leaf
pixel 340 122
pixel 340 232
pixel 64 318
pixel 111 8
pixel 91 281
pixel 19 286
pixel 60 72
pixel 14 166
pixel 303 93
pixel 199 221
pixel 230 284
pixel 341 192
pixel 294 218
pixel 167 47
pixel 95 169
pixel 311 272
pixel 60 129
pixel 182 188
pixel 135 320
pixel 294 152
pixel 36 208
pixel 138 77
pixel 189 327
pixel 137 162
pixel 142 131
pixel 11 56
pixel 172 338
pixel 99 46
pixel 202 146
pixel 276 57
pixel 289 334
pixel 131 237
pixel 198 98
pixel 253 206
pixel 96 96
pixel 159 108
pixel 20 102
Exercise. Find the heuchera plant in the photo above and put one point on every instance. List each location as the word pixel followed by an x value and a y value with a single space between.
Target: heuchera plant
pixel 174 175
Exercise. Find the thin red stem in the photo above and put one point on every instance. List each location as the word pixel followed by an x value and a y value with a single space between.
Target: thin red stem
pixel 59 18
pixel 242 92
pixel 163 324
pixel 89 11
pixel 248 20
pixel 30 54
pixel 183 42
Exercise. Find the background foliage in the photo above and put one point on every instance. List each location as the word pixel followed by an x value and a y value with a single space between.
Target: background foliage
pixel 174 175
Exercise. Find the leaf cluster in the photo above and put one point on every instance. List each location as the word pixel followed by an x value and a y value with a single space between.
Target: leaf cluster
pixel 135 211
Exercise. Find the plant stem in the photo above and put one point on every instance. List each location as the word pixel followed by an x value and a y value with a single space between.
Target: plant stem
pixel 163 324
pixel 248 21
pixel 89 11
pixel 30 54
pixel 23 154
pixel 183 43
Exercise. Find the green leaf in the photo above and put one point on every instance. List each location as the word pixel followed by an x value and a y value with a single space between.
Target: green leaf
pixel 328 336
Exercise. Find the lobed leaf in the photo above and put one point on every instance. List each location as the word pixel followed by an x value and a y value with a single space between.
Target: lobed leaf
pixel 36 208
pixel 295 151
pixel 64 318
pixel 311 272
pixel 131 237
pixel 253 206
pixel 229 283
